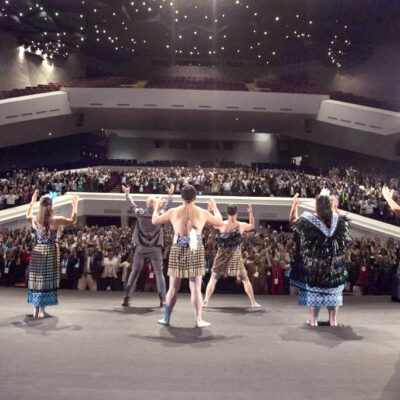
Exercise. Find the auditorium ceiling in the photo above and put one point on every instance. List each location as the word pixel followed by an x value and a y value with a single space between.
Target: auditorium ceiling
pixel 204 32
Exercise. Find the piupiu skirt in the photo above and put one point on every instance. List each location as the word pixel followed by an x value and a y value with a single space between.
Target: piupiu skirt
pixel 44 275
pixel 229 262
pixel 186 263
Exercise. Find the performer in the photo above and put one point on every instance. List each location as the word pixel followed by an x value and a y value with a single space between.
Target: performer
pixel 322 240
pixel 148 241
pixel 186 259
pixel 228 261
pixel 44 266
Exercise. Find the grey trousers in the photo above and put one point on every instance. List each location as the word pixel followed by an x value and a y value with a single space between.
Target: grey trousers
pixel 155 256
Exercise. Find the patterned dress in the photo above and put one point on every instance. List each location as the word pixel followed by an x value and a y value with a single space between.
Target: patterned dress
pixel 44 270
pixel 320 271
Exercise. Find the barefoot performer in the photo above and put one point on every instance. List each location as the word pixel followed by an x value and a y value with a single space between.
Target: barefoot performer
pixel 186 259
pixel 228 261
pixel 322 241
pixel 44 266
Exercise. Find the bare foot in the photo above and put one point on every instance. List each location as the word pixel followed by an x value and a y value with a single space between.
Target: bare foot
pixel 202 324
pixel 205 304
pixel 163 322
pixel 333 322
pixel 312 323
pixel 255 305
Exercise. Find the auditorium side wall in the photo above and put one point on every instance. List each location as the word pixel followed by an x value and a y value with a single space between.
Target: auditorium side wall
pixel 19 69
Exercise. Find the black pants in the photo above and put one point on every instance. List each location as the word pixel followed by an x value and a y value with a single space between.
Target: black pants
pixel 115 284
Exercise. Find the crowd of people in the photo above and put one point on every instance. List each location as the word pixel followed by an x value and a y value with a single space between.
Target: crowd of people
pixel 357 192
pixel 268 256
pixel 17 187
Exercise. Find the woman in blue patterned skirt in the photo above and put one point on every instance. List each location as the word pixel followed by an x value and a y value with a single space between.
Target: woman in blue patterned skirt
pixel 322 241
pixel 44 268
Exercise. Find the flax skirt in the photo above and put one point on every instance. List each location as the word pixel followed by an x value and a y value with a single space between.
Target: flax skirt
pixel 186 263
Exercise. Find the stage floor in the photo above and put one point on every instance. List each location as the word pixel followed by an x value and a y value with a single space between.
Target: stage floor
pixel 92 349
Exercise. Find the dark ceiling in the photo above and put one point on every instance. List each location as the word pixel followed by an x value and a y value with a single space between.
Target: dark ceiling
pixel 203 32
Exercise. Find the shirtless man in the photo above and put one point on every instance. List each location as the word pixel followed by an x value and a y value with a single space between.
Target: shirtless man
pixel 186 259
pixel 228 261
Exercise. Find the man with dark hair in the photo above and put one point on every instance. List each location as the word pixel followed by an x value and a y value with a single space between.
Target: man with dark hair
pixel 148 241
pixel 186 259
pixel 91 269
pixel 67 270
pixel 228 261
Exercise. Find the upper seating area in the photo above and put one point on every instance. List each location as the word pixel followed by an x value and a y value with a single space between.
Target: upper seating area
pixel 190 82
pixel 200 83
pixel 363 101
pixel 102 82
pixel 284 87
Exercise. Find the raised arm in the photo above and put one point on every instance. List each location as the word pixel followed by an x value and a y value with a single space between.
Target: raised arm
pixel 168 203
pixel 388 195
pixel 216 219
pixel 58 221
pixel 158 219
pixel 335 205
pixel 294 213
pixel 132 205
pixel 246 227
pixel 213 209
pixel 29 213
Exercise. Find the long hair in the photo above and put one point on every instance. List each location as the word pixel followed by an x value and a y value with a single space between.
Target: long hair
pixel 324 209
pixel 45 212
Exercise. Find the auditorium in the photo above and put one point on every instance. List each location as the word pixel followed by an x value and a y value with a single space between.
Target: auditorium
pixel 199 199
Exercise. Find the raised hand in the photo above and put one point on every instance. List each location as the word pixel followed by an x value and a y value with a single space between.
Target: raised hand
pixel 126 189
pixel 211 204
pixel 35 196
pixel 387 193
pixel 160 203
pixel 335 205
pixel 75 200
pixel 171 189
pixel 296 200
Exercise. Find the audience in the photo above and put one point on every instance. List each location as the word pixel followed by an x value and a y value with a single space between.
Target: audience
pixel 17 187
pixel 358 192
pixel 99 258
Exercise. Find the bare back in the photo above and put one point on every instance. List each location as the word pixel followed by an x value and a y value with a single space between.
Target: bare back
pixel 187 217
pixel 230 226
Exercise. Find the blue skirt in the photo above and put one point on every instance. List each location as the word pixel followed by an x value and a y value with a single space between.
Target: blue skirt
pixel 318 297
pixel 42 299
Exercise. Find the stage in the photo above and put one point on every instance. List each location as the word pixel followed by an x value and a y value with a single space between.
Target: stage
pixel 93 349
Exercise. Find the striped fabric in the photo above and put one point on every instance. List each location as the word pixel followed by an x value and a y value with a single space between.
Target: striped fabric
pixel 44 270
pixel 229 262
pixel 186 263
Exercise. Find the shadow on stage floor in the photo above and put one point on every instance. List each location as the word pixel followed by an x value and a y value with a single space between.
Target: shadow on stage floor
pixel 128 310
pixel 35 326
pixel 171 336
pixel 323 335
pixel 390 391
pixel 238 310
